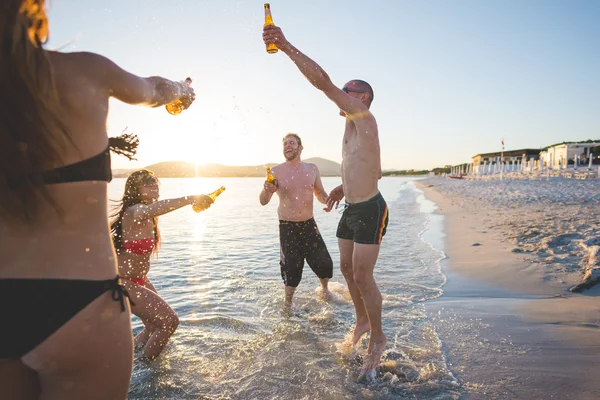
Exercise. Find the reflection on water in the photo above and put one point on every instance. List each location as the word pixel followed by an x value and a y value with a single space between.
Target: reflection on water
pixel 199 227
pixel 219 270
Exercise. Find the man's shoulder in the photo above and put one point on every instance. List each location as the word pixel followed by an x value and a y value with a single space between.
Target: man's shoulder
pixel 365 126
pixel 310 165
pixel 363 118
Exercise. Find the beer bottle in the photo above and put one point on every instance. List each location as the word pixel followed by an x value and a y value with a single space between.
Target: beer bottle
pixel 270 177
pixel 271 48
pixel 212 195
pixel 176 107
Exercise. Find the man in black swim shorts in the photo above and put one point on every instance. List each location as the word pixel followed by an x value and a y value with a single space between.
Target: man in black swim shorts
pixel 361 171
pixel 296 184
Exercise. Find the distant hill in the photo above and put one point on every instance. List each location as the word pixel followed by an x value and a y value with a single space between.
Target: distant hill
pixel 181 169
pixel 326 167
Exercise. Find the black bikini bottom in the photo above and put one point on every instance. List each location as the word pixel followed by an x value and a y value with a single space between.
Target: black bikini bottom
pixel 33 309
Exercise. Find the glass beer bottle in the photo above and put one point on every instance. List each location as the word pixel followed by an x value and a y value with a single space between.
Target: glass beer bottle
pixel 176 107
pixel 212 195
pixel 271 48
pixel 270 177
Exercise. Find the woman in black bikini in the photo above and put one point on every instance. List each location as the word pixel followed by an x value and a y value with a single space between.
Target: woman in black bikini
pixel 134 229
pixel 65 330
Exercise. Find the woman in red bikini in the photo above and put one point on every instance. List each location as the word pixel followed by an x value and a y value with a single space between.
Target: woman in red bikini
pixel 135 233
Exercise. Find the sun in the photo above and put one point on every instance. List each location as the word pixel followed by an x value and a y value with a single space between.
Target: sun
pixel 205 135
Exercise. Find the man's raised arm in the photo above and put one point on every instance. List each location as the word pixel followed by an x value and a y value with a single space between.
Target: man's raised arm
pixel 313 72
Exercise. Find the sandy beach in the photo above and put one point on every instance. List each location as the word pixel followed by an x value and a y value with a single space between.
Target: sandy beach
pixel 511 327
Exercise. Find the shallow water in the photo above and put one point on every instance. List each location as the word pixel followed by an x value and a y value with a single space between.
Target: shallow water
pixel 219 270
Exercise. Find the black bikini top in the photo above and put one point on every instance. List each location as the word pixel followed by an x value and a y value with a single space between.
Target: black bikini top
pixel 96 168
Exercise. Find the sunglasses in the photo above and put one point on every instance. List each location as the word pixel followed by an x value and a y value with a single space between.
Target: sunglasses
pixel 348 90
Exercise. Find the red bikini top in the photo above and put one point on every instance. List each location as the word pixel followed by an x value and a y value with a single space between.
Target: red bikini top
pixel 139 246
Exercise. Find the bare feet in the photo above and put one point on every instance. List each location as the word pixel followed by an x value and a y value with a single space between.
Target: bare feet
pixel 374 351
pixel 362 327
pixel 367 376
pixel 287 309
pixel 287 300
pixel 324 294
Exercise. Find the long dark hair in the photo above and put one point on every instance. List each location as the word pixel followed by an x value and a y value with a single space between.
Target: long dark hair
pixel 132 196
pixel 32 132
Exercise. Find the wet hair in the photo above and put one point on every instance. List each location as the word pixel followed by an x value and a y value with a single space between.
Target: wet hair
pixel 293 135
pixel 364 86
pixel 32 132
pixel 125 144
pixel 132 196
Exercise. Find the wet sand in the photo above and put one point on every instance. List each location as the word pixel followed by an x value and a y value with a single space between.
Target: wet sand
pixel 510 326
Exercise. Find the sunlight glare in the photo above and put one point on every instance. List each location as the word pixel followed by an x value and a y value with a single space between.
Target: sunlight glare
pixel 199 228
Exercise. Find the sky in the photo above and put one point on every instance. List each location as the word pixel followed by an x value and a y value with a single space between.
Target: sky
pixel 451 78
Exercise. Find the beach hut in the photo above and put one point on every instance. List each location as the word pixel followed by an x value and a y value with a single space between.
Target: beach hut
pixel 562 154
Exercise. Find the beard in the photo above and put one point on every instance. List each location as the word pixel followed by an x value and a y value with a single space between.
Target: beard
pixel 292 156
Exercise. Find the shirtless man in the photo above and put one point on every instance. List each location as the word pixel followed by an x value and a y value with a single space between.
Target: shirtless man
pixel 365 219
pixel 296 182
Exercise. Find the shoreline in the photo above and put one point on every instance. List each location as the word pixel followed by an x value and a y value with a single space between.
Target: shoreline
pixel 510 330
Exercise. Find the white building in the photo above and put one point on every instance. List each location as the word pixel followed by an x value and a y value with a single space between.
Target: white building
pixel 562 154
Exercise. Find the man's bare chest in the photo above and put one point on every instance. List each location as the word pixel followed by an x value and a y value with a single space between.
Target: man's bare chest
pixel 296 183
pixel 351 143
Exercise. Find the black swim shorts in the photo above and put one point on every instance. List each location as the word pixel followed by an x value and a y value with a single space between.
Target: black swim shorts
pixel 364 222
pixel 300 241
